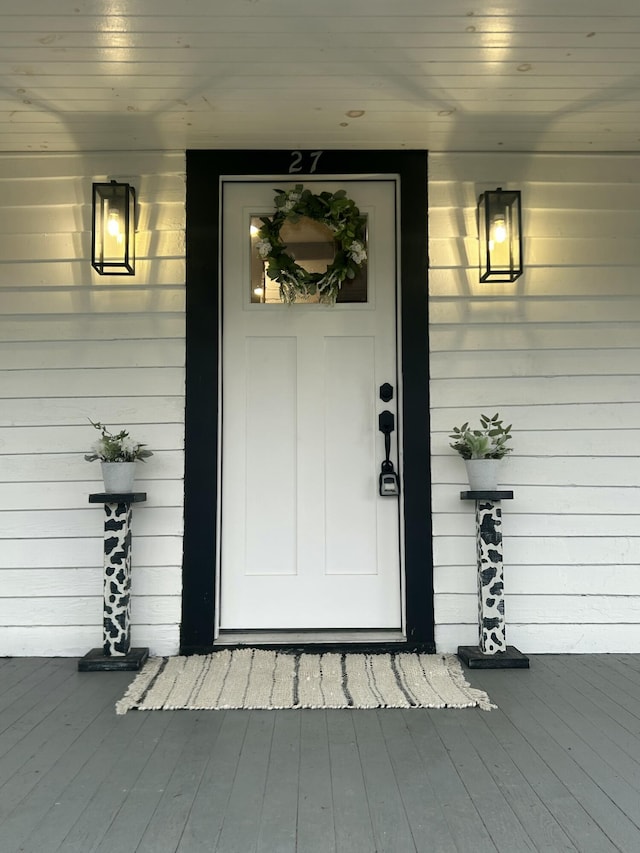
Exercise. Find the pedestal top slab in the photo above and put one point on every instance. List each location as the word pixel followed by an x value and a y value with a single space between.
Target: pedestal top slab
pixel 117 497
pixel 486 496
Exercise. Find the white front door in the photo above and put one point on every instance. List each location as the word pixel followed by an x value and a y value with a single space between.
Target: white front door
pixel 306 542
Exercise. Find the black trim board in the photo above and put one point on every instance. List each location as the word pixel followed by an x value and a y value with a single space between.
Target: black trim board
pixel 204 169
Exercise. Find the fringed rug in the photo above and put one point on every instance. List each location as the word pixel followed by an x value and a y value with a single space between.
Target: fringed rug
pixel 259 679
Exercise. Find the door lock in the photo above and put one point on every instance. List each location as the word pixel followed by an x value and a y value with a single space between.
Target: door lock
pixel 388 482
pixel 386 392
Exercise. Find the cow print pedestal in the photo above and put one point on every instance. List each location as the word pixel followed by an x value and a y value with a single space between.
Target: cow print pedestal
pixel 492 651
pixel 116 652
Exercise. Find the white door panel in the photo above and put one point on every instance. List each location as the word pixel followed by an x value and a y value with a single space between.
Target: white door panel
pixel 306 541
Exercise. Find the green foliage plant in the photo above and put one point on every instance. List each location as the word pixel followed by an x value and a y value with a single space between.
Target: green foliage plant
pixel 116 447
pixel 488 442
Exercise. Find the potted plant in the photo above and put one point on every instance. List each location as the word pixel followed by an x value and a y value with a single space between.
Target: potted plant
pixel 482 449
pixel 118 454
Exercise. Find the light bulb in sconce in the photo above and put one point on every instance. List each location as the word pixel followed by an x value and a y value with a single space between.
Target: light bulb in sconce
pixel 113 224
pixel 253 230
pixel 258 291
pixel 499 230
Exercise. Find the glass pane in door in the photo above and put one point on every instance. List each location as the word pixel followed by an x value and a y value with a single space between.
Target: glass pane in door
pixel 312 246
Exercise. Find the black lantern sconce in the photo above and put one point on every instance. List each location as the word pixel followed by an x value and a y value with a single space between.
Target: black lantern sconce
pixel 500 235
pixel 113 229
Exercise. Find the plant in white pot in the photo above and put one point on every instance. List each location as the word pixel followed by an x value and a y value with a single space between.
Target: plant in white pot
pixel 118 454
pixel 482 450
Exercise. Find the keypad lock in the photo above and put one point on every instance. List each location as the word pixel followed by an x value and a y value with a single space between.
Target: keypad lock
pixel 388 482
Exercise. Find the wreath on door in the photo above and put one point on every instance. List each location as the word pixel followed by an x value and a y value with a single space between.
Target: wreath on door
pixel 343 218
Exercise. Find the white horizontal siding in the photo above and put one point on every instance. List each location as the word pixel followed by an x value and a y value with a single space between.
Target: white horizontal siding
pixel 548 638
pixel 79 610
pixel 71 523
pixel 63 466
pixel 557 353
pixel 74 346
pixel 62 553
pixel 156 581
pixel 65 639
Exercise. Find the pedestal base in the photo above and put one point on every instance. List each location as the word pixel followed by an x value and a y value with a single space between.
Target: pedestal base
pixel 97 661
pixel 475 659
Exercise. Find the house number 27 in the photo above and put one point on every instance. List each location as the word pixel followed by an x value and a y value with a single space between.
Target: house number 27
pixel 297 158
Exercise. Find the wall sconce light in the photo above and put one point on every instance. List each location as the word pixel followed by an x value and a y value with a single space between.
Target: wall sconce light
pixel 113 229
pixel 500 235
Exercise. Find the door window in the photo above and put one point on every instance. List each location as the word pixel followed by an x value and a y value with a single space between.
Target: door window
pixel 312 246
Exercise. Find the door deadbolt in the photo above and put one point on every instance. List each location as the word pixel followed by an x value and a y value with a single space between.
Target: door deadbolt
pixel 386 392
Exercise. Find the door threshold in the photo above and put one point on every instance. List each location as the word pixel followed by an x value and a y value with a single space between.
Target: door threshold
pixel 303 638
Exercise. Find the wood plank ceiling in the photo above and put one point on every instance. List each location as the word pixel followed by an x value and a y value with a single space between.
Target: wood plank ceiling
pixel 533 75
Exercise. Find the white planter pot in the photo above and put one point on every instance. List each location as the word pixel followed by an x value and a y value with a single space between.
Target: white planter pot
pixel 118 477
pixel 483 474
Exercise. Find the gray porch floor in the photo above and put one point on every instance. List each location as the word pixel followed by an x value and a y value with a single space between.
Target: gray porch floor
pixel 555 768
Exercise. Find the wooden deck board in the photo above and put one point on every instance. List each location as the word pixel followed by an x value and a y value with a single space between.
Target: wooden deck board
pixel 555 768
pixel 279 819
pixel 130 822
pixel 388 818
pixel 241 824
pixel 618 722
pixel 67 808
pixel 620 683
pixel 465 823
pixel 45 740
pixel 316 828
pixel 609 799
pixel 115 789
pixel 352 816
pixel 503 826
pixel 28 705
pixel 568 811
pixel 164 830
pixel 601 732
pixel 18 677
pixel 56 801
pixel 584 810
pixel 202 829
pixel 536 819
pixel 422 805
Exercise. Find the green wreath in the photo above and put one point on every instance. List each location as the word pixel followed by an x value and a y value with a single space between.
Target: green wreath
pixel 341 216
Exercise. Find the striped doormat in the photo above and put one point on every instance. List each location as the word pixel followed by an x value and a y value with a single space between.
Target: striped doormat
pixel 259 679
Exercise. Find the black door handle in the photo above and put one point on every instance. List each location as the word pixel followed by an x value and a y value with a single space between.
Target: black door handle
pixel 388 482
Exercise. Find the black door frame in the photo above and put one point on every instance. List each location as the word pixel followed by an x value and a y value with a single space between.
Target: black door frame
pixel 204 170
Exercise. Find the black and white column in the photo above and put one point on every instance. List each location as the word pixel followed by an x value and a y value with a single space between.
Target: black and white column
pixel 116 651
pixel 117 579
pixel 491 624
pixel 492 650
